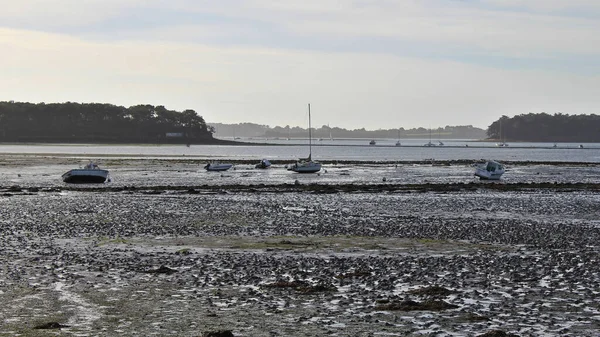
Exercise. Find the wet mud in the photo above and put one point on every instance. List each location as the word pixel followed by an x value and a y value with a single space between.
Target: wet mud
pixel 280 254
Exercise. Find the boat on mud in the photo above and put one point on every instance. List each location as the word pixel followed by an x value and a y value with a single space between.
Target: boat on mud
pixel 89 174
pixel 217 166
pixel 264 164
pixel 307 165
pixel 490 170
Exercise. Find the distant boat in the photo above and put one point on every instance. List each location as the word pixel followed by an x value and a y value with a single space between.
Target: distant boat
pixel 440 143
pixel 264 164
pixel 430 144
pixel 91 173
pixel 398 141
pixel 581 146
pixel 307 165
pixel 217 167
pixel 490 170
pixel 503 143
pixel 373 142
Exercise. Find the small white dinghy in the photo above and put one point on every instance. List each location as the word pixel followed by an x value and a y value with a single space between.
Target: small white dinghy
pixel 90 174
pixel 217 167
pixel 490 170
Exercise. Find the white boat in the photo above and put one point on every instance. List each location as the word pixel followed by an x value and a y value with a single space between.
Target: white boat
pixel 373 142
pixel 91 173
pixel 307 165
pixel 430 144
pixel 503 143
pixel 490 170
pixel 264 164
pixel 217 167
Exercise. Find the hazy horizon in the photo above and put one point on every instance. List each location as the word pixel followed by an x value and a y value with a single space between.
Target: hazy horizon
pixel 336 126
pixel 375 64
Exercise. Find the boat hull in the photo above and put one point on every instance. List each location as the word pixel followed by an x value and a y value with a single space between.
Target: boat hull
pixel 491 170
pixel 485 175
pixel 264 164
pixel 83 176
pixel 311 167
pixel 218 167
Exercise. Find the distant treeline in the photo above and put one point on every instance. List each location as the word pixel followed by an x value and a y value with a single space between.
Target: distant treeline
pixel 255 130
pixel 543 127
pixel 96 122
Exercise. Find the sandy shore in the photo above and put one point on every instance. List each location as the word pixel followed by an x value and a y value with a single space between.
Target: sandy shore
pixel 168 250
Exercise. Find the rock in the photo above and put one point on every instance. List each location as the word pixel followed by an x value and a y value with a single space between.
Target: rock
pixel 220 333
pixel 161 270
pixel 50 325
pixel 497 333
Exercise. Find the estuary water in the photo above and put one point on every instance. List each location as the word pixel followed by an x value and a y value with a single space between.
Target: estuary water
pixel 327 150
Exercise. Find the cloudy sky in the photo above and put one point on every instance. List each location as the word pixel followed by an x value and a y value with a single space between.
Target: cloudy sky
pixel 360 63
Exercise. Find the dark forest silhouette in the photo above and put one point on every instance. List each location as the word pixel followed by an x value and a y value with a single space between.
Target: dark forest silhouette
pixel 97 123
pixel 543 127
pixel 108 123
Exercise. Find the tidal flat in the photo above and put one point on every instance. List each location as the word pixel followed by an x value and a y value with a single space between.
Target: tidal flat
pixel 168 250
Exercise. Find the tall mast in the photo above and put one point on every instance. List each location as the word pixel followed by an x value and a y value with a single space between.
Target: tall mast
pixel 309 136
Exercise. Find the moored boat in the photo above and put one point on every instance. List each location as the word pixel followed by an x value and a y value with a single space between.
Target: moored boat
pixel 217 166
pixel 264 164
pixel 490 170
pixel 307 165
pixel 90 174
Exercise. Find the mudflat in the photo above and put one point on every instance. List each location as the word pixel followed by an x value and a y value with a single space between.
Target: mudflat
pixel 168 250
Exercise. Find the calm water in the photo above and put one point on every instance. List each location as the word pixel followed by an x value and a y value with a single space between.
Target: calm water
pixel 384 150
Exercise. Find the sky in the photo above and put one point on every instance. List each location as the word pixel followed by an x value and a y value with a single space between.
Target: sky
pixel 376 64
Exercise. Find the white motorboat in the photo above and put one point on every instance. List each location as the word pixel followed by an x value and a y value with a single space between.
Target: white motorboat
pixel 90 174
pixel 217 167
pixel 307 165
pixel 490 170
pixel 264 164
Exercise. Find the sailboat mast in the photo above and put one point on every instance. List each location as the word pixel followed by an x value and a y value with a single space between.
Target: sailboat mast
pixel 309 136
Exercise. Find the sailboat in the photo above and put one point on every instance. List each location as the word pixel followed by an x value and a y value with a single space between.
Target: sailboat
pixel 503 144
pixel 398 141
pixel 430 143
pixel 307 165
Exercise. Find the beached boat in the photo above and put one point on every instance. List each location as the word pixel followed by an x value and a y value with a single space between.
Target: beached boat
pixel 307 165
pixel 90 174
pixel 217 167
pixel 490 170
pixel 264 164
